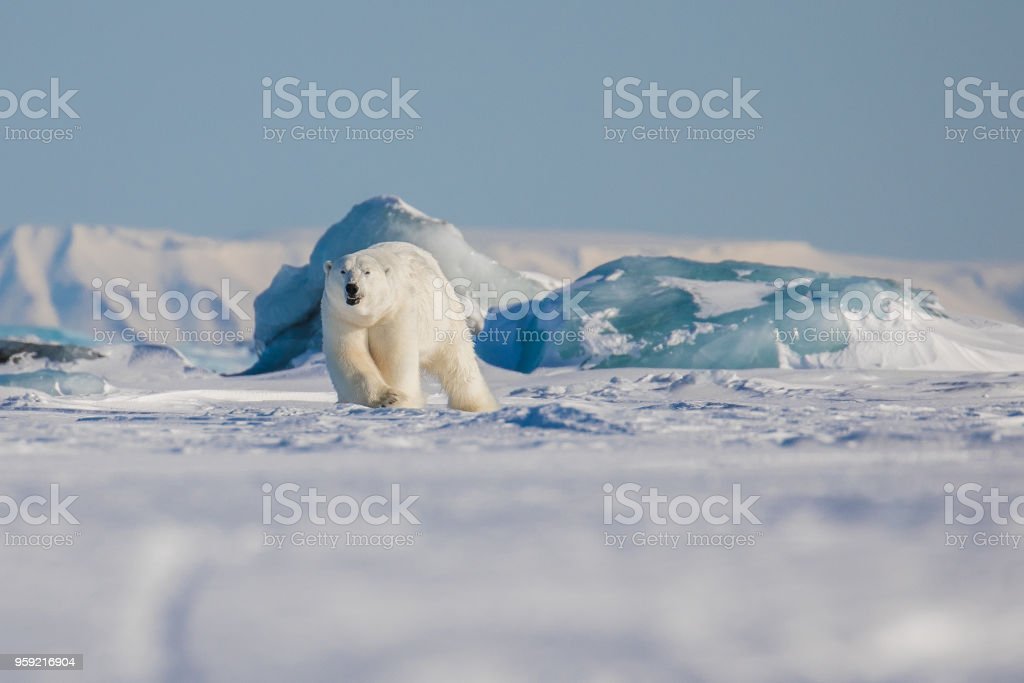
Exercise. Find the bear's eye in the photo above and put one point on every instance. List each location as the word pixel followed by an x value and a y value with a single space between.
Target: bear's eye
pixel 366 272
pixel 341 272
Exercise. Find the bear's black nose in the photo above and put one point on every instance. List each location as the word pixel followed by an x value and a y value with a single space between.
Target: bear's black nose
pixel 351 289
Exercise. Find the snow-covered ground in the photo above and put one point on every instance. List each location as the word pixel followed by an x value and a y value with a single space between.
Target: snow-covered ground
pixel 172 558
pixel 509 575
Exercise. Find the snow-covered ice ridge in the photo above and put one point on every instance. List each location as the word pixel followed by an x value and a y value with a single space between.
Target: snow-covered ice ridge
pixel 651 310
pixel 46 271
pixel 991 290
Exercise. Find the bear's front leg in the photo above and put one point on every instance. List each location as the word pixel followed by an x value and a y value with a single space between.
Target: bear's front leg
pixel 395 350
pixel 355 375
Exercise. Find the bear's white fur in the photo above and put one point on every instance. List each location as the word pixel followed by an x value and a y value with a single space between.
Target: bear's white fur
pixel 389 312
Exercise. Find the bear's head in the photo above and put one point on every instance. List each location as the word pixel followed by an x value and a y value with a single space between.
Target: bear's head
pixel 358 289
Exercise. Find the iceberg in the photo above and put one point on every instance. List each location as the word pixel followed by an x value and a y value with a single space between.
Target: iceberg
pixel 288 312
pixel 56 382
pixel 669 312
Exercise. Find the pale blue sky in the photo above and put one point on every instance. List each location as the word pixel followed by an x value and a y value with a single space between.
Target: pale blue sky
pixel 850 155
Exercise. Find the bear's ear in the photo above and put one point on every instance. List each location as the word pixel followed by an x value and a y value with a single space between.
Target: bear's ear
pixel 327 267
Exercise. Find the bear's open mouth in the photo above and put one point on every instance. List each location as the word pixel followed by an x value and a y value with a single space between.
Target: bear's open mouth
pixel 353 300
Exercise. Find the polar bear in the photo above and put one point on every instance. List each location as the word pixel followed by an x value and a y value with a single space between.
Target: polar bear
pixel 388 312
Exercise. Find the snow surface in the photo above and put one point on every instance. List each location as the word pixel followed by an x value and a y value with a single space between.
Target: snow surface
pixel 508 577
